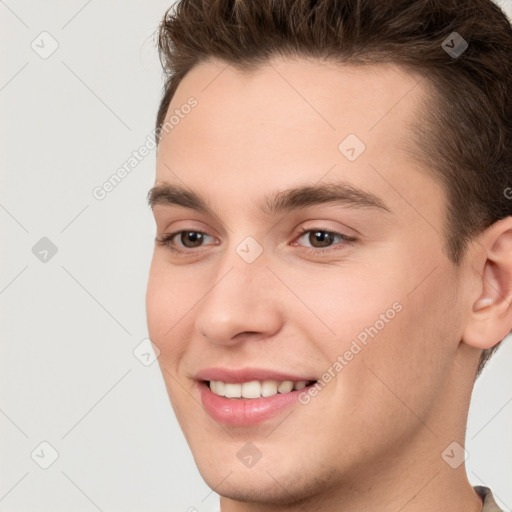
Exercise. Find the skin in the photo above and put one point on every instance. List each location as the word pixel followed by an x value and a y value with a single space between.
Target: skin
pixel 372 439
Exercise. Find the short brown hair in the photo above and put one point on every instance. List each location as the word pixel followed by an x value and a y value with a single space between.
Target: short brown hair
pixel 464 133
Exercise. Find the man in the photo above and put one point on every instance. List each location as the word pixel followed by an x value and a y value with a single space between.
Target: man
pixel 333 259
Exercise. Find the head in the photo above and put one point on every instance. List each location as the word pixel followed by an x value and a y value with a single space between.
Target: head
pixel 345 121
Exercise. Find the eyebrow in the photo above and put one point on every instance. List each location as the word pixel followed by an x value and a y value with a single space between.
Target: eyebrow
pixel 296 198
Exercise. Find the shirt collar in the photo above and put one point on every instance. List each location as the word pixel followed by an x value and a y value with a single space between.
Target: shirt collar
pixel 488 499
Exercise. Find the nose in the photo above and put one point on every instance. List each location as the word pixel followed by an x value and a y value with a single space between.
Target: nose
pixel 241 303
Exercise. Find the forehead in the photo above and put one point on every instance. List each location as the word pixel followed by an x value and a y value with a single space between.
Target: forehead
pixel 285 121
pixel 364 99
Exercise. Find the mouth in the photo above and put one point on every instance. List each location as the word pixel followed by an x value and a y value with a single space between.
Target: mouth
pixel 243 404
pixel 256 388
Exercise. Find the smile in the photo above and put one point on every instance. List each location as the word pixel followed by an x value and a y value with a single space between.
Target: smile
pixel 255 389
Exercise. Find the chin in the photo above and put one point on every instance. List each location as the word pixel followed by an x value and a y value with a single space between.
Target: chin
pixel 257 489
pixel 267 482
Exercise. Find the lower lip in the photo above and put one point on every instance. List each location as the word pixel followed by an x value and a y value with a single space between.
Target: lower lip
pixel 245 411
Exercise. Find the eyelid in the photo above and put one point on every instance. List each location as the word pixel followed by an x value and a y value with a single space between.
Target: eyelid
pixel 346 232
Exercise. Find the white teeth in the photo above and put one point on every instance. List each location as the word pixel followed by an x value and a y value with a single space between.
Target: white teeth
pixel 217 387
pixel 232 390
pixel 251 389
pixel 301 384
pixel 255 388
pixel 285 387
pixel 220 387
pixel 269 388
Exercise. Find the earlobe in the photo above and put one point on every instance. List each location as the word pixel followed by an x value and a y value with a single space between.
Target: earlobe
pixel 491 315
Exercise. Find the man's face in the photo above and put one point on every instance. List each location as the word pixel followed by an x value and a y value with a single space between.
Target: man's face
pixel 249 301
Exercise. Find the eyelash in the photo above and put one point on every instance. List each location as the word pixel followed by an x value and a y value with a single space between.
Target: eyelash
pixel 166 240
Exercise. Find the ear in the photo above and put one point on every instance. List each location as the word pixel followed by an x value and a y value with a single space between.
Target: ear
pixel 491 317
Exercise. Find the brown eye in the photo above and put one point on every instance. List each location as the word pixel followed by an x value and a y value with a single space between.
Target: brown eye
pixel 182 241
pixel 193 237
pixel 320 239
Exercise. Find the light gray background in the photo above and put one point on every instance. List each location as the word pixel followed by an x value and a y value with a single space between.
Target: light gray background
pixel 69 325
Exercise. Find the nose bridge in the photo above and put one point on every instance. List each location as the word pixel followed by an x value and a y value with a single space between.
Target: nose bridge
pixel 239 299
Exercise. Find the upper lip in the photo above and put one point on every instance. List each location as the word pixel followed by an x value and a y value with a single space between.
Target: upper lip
pixel 237 375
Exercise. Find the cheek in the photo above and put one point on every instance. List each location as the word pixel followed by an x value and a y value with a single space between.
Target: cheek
pixel 155 304
pixel 165 305
pixel 344 304
pixel 394 317
pixel 411 356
